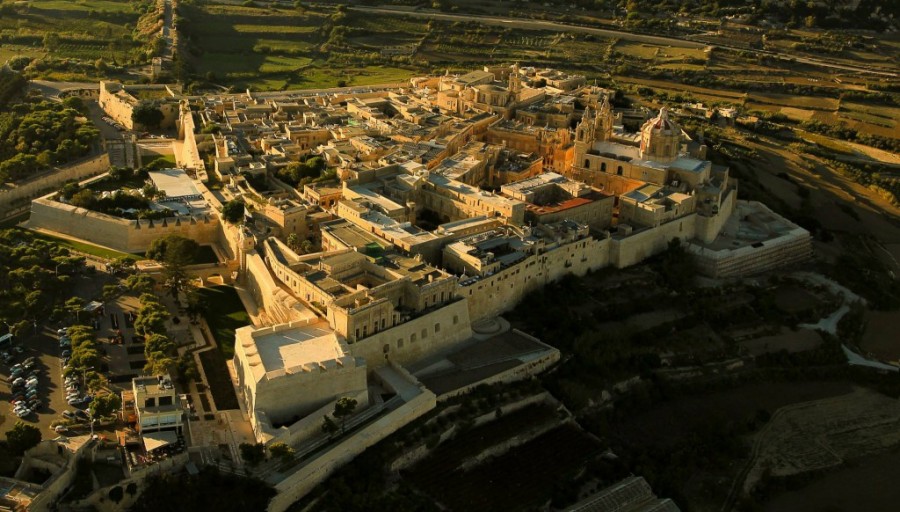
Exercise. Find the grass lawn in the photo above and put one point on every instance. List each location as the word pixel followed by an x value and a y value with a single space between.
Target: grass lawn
pixel 224 313
pixel 218 380
pixel 81 246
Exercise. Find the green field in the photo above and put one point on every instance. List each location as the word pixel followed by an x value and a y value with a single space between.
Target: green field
pixel 82 5
pixel 224 312
pixel 84 30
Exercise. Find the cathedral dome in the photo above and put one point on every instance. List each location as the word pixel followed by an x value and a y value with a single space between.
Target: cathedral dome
pixel 660 138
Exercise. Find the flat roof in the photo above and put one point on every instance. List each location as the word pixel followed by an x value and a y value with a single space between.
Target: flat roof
pixel 297 346
pixel 174 182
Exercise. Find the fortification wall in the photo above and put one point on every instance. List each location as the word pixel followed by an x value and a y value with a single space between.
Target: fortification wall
pixel 637 247
pixel 297 485
pixel 13 198
pixel 491 296
pixel 281 401
pixel 442 328
pixel 119 234
pixel 708 228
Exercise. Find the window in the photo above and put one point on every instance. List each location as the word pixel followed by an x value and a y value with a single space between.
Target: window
pixel 587 163
pixel 412 338
pixel 357 332
pixel 437 328
pixel 399 342
pixel 619 170
pixel 365 331
pixel 424 333
pixel 149 402
pixel 382 323
pixel 165 400
pixel 455 319
pixel 603 166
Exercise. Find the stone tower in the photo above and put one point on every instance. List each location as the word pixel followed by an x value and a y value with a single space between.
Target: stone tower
pixel 515 84
pixel 603 122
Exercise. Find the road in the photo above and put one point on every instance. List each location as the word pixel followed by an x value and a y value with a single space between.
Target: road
pixel 617 34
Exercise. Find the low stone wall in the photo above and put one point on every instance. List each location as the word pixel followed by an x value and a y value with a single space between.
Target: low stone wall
pixel 300 483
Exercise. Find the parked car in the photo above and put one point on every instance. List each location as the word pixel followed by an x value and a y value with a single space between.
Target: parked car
pixel 19 349
pixel 65 343
pixel 15 372
pixel 35 405
pixel 60 429
pixel 69 415
pixel 66 353
pixel 6 357
pixel 81 415
pixel 62 331
pixel 23 412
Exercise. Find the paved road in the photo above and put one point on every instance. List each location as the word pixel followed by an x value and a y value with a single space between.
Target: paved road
pixel 563 27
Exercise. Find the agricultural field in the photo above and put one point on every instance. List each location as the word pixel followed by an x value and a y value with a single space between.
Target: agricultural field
pixel 66 38
pixel 857 428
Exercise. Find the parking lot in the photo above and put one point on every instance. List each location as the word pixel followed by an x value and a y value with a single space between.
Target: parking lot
pixel 44 347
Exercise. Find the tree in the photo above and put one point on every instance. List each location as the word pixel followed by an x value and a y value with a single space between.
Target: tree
pixel 343 408
pixel 233 211
pixel 329 426
pixel 293 241
pixel 174 252
pixel 253 454
pixel 110 292
pixel 147 114
pixel 105 405
pixel 282 451
pixel 116 494
pixel 74 305
pixel 140 283
pixel 22 437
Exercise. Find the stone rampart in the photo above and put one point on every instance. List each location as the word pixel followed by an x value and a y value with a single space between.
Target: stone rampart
pixel 298 484
pixel 124 235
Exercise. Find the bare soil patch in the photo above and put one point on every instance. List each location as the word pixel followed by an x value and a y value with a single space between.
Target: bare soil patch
pixel 880 337
pixel 868 484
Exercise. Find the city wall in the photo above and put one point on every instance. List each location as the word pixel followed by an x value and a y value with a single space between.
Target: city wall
pixel 443 328
pixel 297 485
pixel 491 296
pixel 708 228
pixel 120 234
pixel 639 246
pixel 13 198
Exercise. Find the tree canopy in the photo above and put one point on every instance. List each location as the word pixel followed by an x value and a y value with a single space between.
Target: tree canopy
pixel 22 437
pixel 147 114
pixel 36 135
pixel 233 211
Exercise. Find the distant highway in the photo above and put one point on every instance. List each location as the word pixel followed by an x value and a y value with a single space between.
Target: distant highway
pixel 529 24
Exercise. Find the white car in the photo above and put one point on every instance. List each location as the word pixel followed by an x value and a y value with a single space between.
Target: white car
pixel 62 332
pixel 23 412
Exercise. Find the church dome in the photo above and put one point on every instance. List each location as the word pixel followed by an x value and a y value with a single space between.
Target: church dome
pixel 660 138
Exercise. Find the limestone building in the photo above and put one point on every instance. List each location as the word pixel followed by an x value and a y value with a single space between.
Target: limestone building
pixel 287 371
